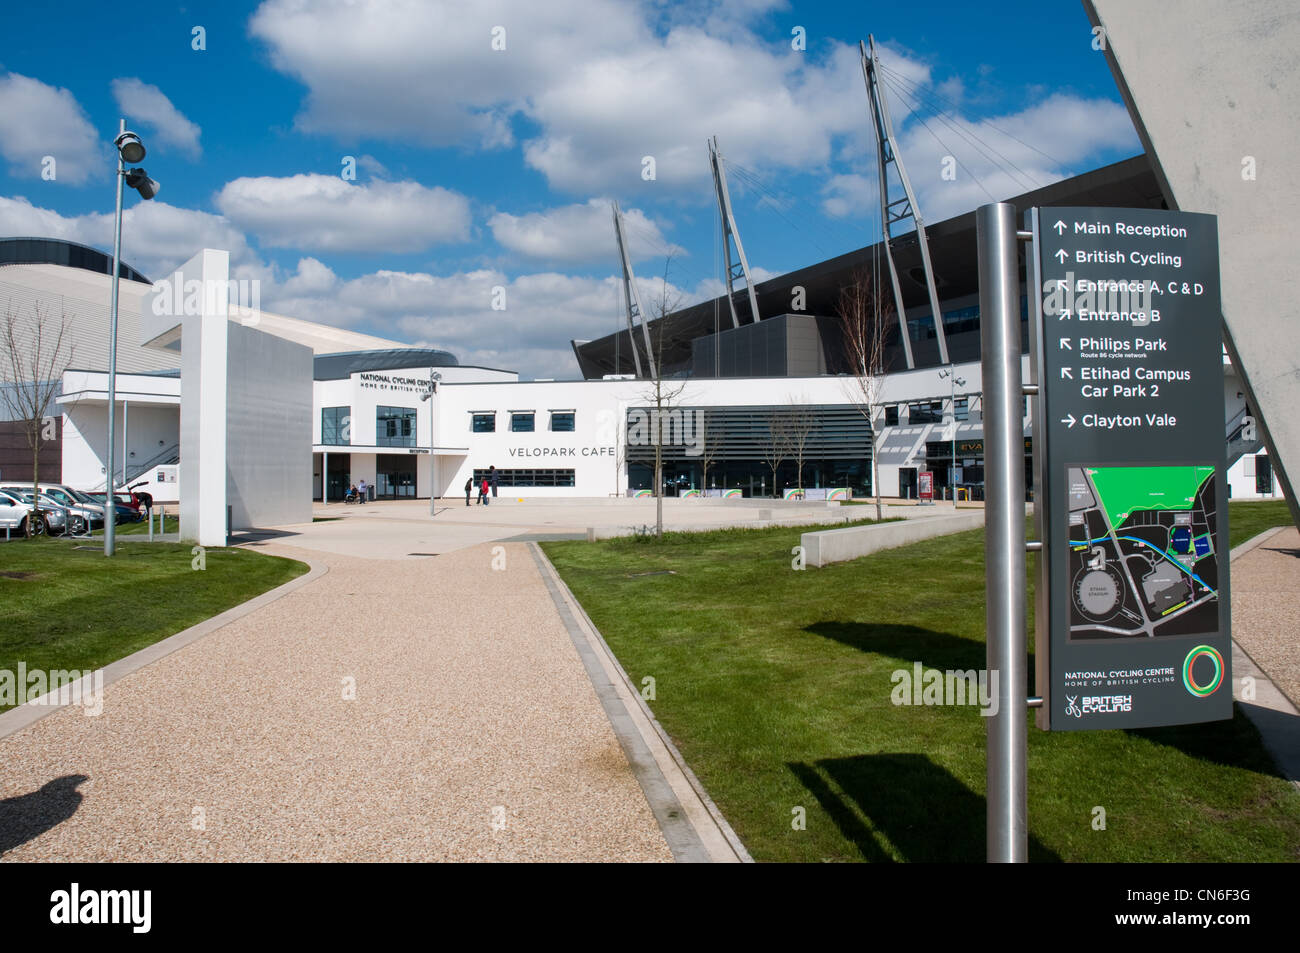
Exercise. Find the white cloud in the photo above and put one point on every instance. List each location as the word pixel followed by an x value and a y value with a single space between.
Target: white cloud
pixel 145 103
pixel 579 234
pixel 37 121
pixel 603 86
pixel 426 72
pixel 1020 152
pixel 156 237
pixel 326 213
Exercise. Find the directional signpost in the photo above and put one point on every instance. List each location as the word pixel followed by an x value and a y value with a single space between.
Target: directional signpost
pixel 1130 468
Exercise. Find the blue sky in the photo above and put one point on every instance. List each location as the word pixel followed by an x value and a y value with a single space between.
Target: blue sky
pixel 478 167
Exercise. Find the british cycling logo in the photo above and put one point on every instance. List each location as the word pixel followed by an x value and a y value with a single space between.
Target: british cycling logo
pixel 1097 705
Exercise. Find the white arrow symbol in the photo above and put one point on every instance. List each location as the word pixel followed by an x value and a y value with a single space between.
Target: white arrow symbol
pixel 1065 344
pixel 1059 226
pixel 1065 314
pixel 1060 254
pixel 1068 420
pixel 1066 374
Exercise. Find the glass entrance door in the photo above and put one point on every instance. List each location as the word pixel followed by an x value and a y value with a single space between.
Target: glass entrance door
pixel 395 477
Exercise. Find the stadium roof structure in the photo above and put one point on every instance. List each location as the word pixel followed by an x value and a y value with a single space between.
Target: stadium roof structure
pixel 1130 183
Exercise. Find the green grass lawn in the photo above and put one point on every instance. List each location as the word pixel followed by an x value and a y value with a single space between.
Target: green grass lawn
pixel 173 525
pixel 64 605
pixel 775 684
pixel 1248 519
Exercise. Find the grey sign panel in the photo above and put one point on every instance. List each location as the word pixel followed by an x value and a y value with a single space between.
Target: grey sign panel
pixel 1132 504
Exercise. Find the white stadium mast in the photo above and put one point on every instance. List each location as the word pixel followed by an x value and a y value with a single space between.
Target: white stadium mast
pixel 891 213
pixel 731 234
pixel 632 300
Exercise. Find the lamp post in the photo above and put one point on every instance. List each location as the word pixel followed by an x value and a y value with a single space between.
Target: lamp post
pixel 434 377
pixel 129 149
pixel 953 382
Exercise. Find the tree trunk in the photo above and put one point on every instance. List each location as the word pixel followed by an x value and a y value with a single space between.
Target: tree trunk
pixel 875 478
pixel 659 477
pixel 36 474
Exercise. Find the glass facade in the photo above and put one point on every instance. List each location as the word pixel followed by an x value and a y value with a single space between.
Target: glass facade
pixel 562 421
pixel 750 449
pixel 395 426
pixel 336 426
pixel 484 423
pixel 528 477
pixel 522 422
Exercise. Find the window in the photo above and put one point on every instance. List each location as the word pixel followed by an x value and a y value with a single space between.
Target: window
pixel 521 422
pixel 395 426
pixel 335 426
pixel 528 477
pixel 891 415
pixel 925 412
pixel 484 423
pixel 562 421
pixel 961 408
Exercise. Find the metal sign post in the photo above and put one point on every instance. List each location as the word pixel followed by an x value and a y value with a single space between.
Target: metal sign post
pixel 1004 530
pixel 1133 623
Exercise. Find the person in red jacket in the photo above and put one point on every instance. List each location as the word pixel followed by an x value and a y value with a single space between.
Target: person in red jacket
pixel 483 492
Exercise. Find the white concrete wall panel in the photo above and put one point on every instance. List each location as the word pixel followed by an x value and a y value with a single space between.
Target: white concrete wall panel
pixel 1212 87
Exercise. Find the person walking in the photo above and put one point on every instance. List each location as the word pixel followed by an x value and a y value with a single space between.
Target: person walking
pixel 494 475
pixel 469 485
pixel 361 488
pixel 483 492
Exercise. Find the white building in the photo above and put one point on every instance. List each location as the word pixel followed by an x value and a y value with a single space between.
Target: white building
pixel 580 438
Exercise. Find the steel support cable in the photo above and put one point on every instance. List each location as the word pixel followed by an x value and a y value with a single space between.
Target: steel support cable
pixel 952 152
pixel 751 180
pixel 925 98
pixel 1025 181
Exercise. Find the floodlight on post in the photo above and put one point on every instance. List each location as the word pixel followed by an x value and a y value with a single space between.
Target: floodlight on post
pixel 428 395
pixel 954 381
pixel 129 149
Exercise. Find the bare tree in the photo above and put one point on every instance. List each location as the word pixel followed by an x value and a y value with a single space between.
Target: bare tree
pixel 777 444
pixel 710 443
pixel 800 422
pixel 864 325
pixel 37 350
pixel 663 393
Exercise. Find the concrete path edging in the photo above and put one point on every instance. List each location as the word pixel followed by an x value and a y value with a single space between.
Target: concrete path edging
pixel 695 829
pixel 25 715
pixel 1272 713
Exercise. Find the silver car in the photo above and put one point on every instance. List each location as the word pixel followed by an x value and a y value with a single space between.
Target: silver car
pixel 71 498
pixel 57 519
pixel 85 516
pixel 14 515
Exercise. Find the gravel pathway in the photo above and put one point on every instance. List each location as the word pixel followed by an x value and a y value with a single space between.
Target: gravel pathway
pixel 1266 608
pixel 474 734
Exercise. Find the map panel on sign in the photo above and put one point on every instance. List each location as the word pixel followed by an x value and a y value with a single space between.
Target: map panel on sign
pixel 1142 559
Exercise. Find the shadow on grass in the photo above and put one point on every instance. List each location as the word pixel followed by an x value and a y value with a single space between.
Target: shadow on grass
pixel 1234 744
pixel 28 816
pixel 920 808
pixel 940 650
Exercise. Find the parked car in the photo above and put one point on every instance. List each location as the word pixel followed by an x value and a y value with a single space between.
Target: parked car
pixel 126 513
pixel 78 503
pixel 16 515
pixel 77 518
pixel 57 518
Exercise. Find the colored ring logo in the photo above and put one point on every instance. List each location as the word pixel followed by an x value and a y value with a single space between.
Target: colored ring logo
pixel 1201 691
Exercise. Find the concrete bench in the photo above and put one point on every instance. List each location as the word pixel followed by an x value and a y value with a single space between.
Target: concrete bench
pixel 839 545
